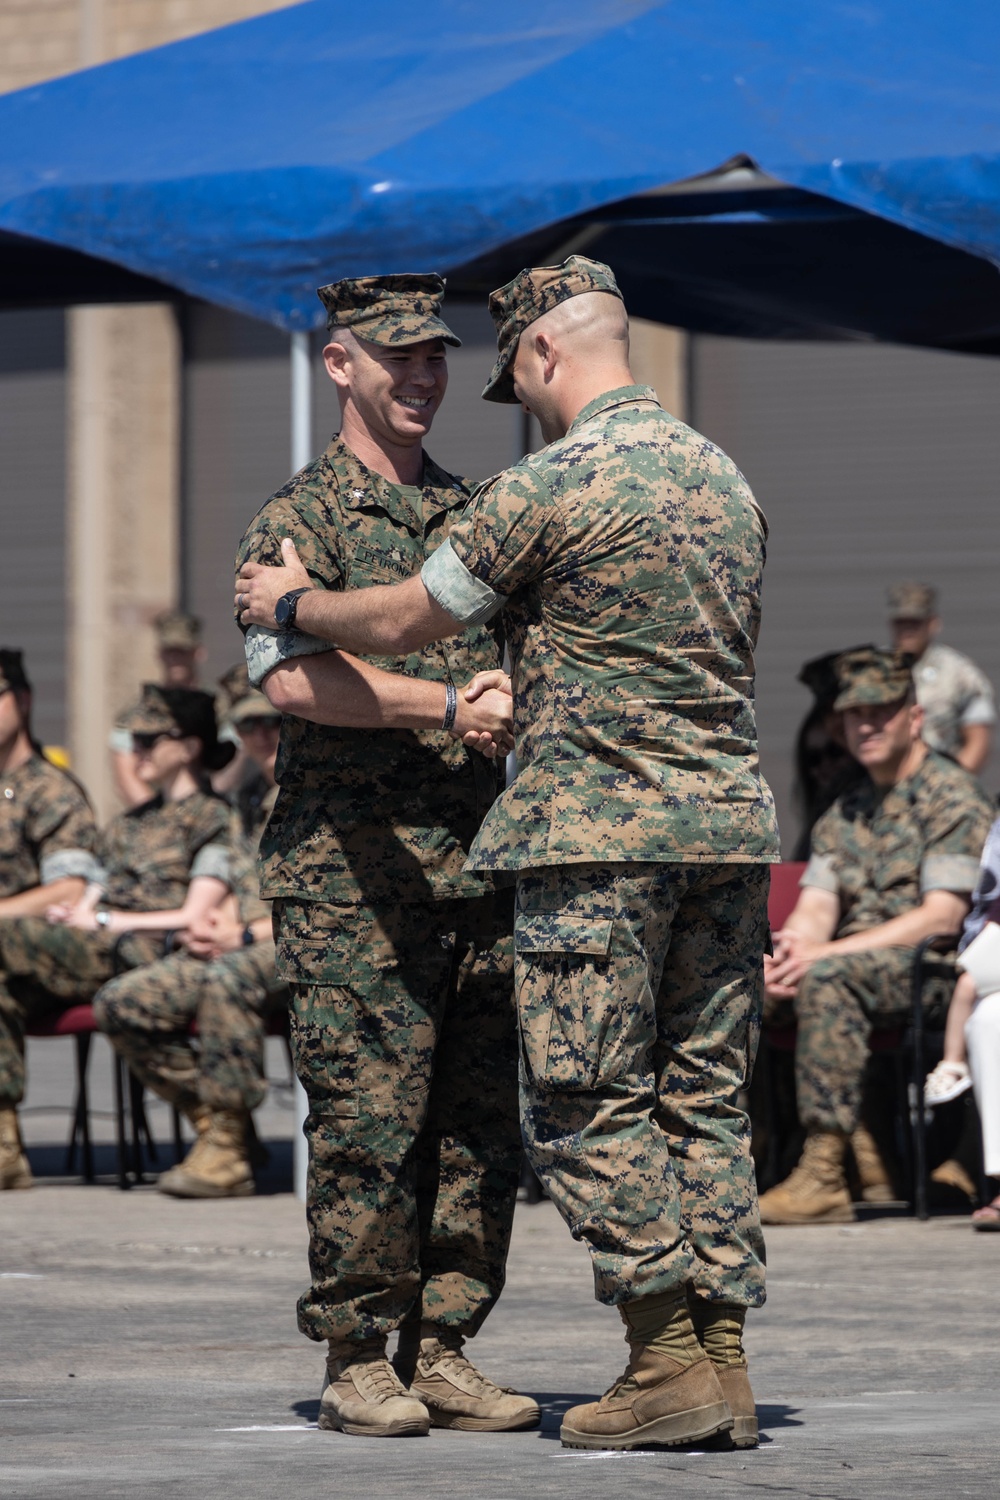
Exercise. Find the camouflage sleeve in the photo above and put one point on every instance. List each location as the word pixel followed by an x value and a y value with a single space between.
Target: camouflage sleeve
pixel 979 706
pixel 266 649
pixel 213 860
pixel 821 871
pixel 62 830
pixel 956 828
pixel 509 532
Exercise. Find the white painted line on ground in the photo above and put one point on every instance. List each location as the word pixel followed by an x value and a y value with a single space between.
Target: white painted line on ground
pixel 292 1427
pixel 21 1276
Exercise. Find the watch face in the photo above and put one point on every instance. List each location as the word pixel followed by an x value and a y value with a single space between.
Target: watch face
pixel 282 610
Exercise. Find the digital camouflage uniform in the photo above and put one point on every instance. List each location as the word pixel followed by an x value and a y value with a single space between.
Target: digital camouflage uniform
pixel 626 558
pixel 147 1012
pixel 953 692
pixel 47 829
pixel 879 851
pixel 399 963
pixel 147 856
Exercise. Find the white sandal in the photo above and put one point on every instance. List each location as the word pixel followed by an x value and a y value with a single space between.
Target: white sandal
pixel 948 1081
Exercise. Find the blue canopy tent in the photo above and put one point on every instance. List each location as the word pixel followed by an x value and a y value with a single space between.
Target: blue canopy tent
pixel 759 167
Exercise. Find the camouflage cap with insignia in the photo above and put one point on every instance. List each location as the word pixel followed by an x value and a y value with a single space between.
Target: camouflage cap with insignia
pixel 12 673
pixel 534 291
pixel 180 711
pixel 177 631
pixel 867 676
pixel 238 701
pixel 912 601
pixel 388 310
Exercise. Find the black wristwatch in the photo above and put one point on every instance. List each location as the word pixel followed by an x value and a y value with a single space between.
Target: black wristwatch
pixel 284 610
pixel 248 937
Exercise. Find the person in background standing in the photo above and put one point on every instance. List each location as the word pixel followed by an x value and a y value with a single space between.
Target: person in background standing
pixel 955 695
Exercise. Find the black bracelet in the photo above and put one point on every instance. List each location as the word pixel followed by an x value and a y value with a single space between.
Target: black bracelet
pixel 452 707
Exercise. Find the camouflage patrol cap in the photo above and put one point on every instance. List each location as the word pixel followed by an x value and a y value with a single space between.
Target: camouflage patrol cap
pixel 184 711
pixel 534 291
pixel 912 601
pixel 388 310
pixel 820 674
pixel 12 673
pixel 867 675
pixel 177 631
pixel 238 701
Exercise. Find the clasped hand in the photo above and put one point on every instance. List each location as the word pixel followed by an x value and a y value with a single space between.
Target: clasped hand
pixel 793 955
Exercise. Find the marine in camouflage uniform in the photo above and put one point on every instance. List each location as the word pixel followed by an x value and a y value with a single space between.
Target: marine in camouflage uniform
pixel 47 829
pixel 147 857
pixel 399 961
pixel 147 1012
pixel 956 696
pixel 626 558
pixel 879 850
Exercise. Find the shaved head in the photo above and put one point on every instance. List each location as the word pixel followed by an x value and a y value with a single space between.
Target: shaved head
pixel 570 354
pixel 591 319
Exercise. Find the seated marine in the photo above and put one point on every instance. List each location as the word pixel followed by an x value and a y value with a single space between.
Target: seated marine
pixel 894 861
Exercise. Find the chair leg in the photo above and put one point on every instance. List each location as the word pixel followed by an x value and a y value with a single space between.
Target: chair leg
pixel 137 1117
pixel 118 1068
pixel 81 1112
pixel 915 1090
pixel 178 1137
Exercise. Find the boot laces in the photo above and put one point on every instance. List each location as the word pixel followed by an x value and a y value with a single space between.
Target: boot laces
pixel 381 1379
pixel 441 1356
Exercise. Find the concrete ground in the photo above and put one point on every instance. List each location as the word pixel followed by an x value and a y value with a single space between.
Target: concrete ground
pixel 148 1349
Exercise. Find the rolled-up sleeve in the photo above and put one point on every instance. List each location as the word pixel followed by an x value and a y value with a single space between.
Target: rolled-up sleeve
pixel 948 872
pixel 214 860
pixel 507 535
pixel 461 593
pixel 68 864
pixel 267 649
pixel 821 872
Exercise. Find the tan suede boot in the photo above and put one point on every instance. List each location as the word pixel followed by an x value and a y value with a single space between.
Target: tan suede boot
pixel 719 1326
pixel 669 1394
pixel 455 1393
pixel 816 1191
pixel 873 1174
pixel 14 1169
pixel 217 1165
pixel 363 1396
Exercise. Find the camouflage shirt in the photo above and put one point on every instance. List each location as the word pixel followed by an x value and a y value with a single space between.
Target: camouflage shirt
pixel 880 850
pixel 151 853
pixel 362 814
pixel 47 829
pixel 627 560
pixel 249 821
pixel 953 692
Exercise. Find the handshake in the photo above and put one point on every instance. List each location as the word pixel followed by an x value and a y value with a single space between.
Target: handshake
pixel 484 719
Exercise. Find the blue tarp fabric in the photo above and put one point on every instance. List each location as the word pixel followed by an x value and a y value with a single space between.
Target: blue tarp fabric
pixel 250 164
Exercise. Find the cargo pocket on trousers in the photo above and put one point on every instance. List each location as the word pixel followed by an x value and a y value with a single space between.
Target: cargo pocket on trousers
pixel 586 1013
pixel 323 1026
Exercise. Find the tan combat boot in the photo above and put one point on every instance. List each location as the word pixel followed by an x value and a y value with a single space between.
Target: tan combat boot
pixel 719 1326
pixel 14 1169
pixel 217 1166
pixel 816 1191
pixel 873 1174
pixel 363 1395
pixel 670 1392
pixel 453 1390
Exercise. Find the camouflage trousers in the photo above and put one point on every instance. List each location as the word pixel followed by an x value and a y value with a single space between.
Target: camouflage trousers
pixel 841 1000
pixel 404 1039
pixel 147 1012
pixel 46 968
pixel 638 993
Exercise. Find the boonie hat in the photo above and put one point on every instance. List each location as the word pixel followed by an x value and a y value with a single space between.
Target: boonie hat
pixel 172 710
pixel 534 291
pixel 912 601
pixel 12 673
pixel 388 310
pixel 867 675
pixel 238 701
pixel 177 631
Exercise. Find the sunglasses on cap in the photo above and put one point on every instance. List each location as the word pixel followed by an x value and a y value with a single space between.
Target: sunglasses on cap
pixel 145 741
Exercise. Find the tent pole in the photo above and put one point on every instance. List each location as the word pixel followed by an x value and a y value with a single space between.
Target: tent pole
pixel 301 401
pixel 301 414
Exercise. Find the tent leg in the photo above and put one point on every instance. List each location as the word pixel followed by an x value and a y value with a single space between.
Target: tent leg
pixel 301 359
